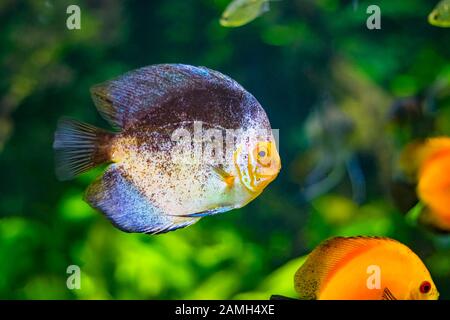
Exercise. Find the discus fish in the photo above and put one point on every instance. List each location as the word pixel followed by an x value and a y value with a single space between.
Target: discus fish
pixel 364 268
pixel 241 12
pixel 169 167
pixel 440 16
pixel 427 163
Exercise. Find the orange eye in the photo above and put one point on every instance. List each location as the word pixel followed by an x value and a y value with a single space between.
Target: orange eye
pixel 425 287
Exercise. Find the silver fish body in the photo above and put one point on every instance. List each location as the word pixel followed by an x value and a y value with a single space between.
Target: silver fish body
pixel 169 167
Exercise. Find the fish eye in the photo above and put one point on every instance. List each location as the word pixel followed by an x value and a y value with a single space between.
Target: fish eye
pixel 262 155
pixel 425 287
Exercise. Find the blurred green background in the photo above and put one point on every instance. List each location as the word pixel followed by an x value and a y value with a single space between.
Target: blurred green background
pixel 299 59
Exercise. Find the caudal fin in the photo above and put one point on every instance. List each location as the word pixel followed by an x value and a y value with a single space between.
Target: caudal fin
pixel 79 147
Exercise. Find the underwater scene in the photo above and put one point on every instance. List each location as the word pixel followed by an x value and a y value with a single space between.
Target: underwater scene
pixel 225 149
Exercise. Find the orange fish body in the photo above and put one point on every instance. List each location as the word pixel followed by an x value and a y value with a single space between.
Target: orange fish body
pixel 429 164
pixel 364 268
pixel 434 187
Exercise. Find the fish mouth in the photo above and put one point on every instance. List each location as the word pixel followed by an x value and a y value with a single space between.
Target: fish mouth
pixel 272 175
pixel 433 19
pixel 272 171
pixel 434 294
pixel 267 178
pixel 224 21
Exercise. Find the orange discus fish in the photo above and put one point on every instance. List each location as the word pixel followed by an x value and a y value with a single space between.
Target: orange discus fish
pixel 364 268
pixel 428 163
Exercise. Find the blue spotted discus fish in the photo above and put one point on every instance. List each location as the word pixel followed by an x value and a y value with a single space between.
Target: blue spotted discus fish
pixel 189 142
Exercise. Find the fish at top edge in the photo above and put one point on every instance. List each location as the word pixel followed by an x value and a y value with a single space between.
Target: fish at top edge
pixel 440 16
pixel 241 12
pixel 364 268
pixel 189 142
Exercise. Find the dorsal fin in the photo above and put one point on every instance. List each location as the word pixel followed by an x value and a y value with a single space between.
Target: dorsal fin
pixel 325 259
pixel 138 93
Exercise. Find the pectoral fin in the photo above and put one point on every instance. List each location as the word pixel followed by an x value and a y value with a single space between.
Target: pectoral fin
pixel 387 295
pixel 224 176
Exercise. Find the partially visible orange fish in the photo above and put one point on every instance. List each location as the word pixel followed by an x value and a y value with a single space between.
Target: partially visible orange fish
pixel 428 163
pixel 364 268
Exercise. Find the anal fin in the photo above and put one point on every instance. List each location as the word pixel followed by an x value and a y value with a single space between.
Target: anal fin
pixel 127 208
pixel 207 212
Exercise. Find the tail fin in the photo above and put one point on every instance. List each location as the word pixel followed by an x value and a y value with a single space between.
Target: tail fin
pixel 79 147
